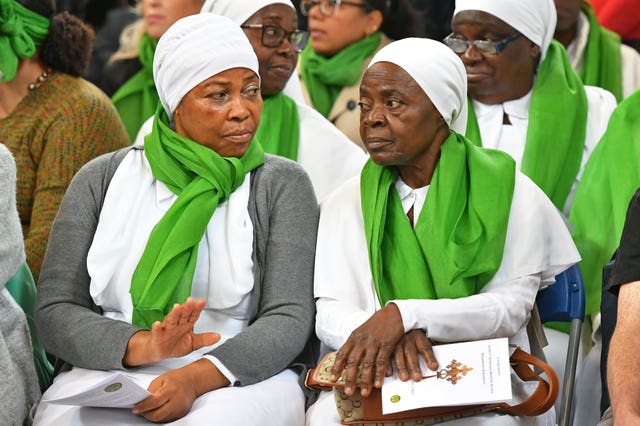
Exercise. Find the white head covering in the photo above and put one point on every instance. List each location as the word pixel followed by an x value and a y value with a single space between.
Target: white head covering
pixel 535 19
pixel 239 10
pixel 194 49
pixel 437 70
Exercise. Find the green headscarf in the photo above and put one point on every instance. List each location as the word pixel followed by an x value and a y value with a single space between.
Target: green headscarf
pixel 458 240
pixel 279 130
pixel 602 65
pixel 202 180
pixel 325 77
pixel 137 99
pixel 557 126
pixel 21 31
pixel 610 178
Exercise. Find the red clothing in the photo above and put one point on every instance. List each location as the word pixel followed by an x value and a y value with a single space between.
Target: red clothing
pixel 621 16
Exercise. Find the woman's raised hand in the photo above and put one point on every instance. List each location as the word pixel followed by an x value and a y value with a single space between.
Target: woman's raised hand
pixel 173 337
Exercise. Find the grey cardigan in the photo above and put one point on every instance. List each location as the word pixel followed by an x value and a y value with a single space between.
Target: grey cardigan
pixel 19 389
pixel 284 212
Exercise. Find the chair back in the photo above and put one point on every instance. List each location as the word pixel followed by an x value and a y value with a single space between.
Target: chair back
pixel 564 301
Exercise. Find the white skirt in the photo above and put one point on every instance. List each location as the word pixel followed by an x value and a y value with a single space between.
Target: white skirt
pixel 274 401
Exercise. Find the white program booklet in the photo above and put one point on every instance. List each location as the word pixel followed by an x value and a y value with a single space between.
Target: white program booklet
pixel 115 390
pixel 468 373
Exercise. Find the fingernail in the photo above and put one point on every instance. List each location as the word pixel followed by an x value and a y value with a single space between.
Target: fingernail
pixel 378 384
pixel 333 378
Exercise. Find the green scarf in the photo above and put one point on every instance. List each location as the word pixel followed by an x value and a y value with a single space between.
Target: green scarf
pixel 202 180
pixel 458 241
pixel 279 130
pixel 21 31
pixel 325 77
pixel 557 126
pixel 602 65
pixel 610 178
pixel 136 100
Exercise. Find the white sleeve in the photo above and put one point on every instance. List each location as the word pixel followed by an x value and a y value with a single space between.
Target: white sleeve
pixel 499 310
pixel 224 370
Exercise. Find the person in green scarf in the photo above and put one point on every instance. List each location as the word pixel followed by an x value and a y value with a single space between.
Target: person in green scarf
pixel 596 53
pixel 344 37
pixel 290 128
pixel 128 77
pixel 438 240
pixel 526 99
pixel 188 260
pixel 52 120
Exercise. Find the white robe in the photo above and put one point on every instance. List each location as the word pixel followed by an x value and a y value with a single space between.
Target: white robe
pixel 630 57
pixel 512 138
pixel 537 247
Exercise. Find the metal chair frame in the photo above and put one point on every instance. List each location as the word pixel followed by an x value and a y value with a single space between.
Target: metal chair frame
pixel 564 301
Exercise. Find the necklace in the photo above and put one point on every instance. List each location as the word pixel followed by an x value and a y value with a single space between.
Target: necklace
pixel 41 78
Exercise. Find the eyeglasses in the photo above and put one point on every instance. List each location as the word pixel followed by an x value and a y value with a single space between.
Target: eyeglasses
pixel 329 7
pixel 486 47
pixel 273 36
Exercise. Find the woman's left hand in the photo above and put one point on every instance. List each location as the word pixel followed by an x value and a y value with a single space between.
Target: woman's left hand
pixel 174 392
pixel 370 347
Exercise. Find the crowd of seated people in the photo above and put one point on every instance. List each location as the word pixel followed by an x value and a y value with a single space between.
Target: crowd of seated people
pixel 211 194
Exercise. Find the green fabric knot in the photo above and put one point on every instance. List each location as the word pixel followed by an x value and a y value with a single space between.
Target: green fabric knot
pixel 21 31
pixel 325 77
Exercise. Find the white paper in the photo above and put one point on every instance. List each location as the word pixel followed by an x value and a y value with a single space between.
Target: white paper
pixel 483 376
pixel 114 391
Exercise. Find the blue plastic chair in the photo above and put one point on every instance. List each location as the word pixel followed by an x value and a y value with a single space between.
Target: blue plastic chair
pixel 564 301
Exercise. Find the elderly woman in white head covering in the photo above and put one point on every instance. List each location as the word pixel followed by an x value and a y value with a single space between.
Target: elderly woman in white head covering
pixel 188 263
pixel 289 127
pixel 526 98
pixel 437 240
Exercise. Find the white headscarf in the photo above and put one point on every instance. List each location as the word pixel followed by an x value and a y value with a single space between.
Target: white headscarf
pixel 239 10
pixel 194 49
pixel 535 19
pixel 437 70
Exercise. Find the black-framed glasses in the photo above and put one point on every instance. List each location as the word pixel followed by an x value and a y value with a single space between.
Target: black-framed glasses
pixel 329 7
pixel 486 47
pixel 273 36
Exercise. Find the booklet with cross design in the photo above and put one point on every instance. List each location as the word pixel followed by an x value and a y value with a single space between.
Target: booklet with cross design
pixel 468 373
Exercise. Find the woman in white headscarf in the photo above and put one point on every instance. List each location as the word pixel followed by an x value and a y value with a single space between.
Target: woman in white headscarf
pixel 290 128
pixel 438 240
pixel 200 213
pixel 526 99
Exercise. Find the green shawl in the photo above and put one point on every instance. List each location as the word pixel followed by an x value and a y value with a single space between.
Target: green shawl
pixel 21 31
pixel 136 100
pixel 458 240
pixel 610 178
pixel 202 180
pixel 279 130
pixel 602 65
pixel 325 77
pixel 557 126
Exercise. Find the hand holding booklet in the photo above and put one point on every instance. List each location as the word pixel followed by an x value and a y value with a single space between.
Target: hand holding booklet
pixel 114 390
pixel 468 373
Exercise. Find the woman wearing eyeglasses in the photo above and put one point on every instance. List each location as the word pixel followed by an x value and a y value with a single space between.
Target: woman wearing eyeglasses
pixel 527 101
pixel 128 77
pixel 344 36
pixel 288 128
